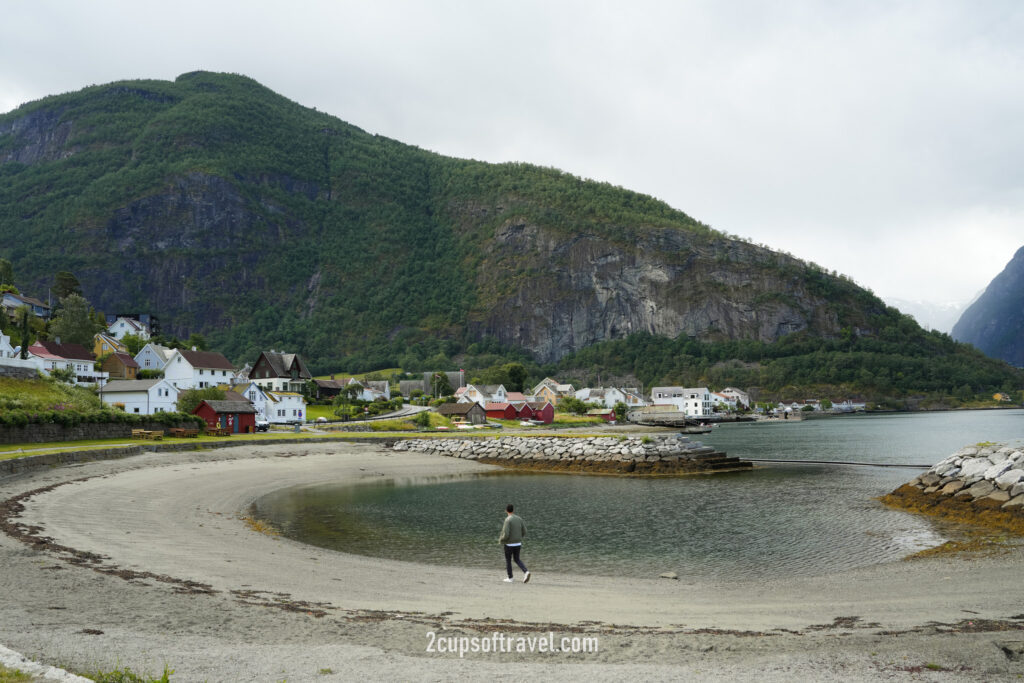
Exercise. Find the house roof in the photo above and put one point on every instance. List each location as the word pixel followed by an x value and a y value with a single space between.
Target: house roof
pixel 30 300
pixel 118 386
pixel 456 408
pixel 128 361
pixel 231 395
pixel 538 405
pixel 330 383
pixel 281 364
pixel 206 359
pixel 497 406
pixel 515 395
pixel 53 350
pixel 229 406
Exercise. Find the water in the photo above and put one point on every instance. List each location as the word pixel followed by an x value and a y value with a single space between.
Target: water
pixel 779 519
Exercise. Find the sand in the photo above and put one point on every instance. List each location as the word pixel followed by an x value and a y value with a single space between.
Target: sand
pixel 181 581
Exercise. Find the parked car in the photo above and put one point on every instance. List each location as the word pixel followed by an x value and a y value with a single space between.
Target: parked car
pixel 262 425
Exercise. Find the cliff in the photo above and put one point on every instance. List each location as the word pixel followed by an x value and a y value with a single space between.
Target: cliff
pixel 995 322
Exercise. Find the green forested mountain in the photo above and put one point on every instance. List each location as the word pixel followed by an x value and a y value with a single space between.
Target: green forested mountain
pixel 226 209
pixel 995 322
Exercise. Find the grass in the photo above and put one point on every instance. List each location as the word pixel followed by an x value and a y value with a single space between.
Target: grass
pixel 126 675
pixel 315 411
pixel 14 675
pixel 386 372
pixel 45 394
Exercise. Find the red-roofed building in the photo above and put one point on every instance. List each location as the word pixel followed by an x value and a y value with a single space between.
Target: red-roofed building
pixel 197 369
pixel 542 411
pixel 74 357
pixel 501 411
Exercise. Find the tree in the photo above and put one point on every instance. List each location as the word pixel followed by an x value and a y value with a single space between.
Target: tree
pixel 440 386
pixel 517 375
pixel 65 284
pixel 572 405
pixel 190 399
pixel 134 343
pixel 196 340
pixel 6 272
pixel 74 323
pixel 620 411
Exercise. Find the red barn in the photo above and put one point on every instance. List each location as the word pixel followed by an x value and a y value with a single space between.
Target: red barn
pixel 543 412
pixel 606 414
pixel 501 411
pixel 238 417
pixel 524 411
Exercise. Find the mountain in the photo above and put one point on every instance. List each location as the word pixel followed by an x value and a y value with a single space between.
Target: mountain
pixel 929 315
pixel 995 322
pixel 226 209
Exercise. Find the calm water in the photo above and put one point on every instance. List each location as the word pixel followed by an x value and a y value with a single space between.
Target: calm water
pixel 795 519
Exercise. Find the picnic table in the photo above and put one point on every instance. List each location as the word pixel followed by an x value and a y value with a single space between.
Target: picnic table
pixel 218 431
pixel 146 434
pixel 182 432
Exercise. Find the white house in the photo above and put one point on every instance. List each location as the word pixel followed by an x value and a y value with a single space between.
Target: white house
pixel 74 357
pixel 124 326
pixel 483 394
pixel 610 396
pixel 285 407
pixel 722 402
pixel 255 394
pixel 10 356
pixel 153 356
pixel 740 397
pixel 197 369
pixel 695 402
pixel 141 396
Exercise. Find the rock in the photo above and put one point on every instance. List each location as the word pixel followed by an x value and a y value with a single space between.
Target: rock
pixel 974 467
pixel 1017 489
pixel 981 489
pixel 998 457
pixel 931 489
pixel 669 575
pixel 1007 479
pixel 952 487
pixel 998 496
pixel 1014 502
pixel 998 469
pixel 930 479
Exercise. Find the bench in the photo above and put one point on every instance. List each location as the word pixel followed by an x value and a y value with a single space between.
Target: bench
pixel 181 432
pixel 145 434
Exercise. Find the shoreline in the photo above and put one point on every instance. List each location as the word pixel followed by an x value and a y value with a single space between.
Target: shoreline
pixel 156 516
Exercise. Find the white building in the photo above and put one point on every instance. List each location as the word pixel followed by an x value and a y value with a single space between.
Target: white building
pixel 482 394
pixel 694 402
pixel 255 394
pixel 740 397
pixel 125 326
pixel 610 396
pixel 197 369
pixel 141 396
pixel 10 356
pixel 153 356
pixel 285 407
pixel 52 356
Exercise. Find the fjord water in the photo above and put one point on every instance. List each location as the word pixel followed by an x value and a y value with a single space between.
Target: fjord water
pixel 777 520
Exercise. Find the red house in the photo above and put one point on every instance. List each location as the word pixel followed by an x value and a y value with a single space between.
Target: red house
pixel 606 414
pixel 524 411
pixel 238 417
pixel 543 412
pixel 501 411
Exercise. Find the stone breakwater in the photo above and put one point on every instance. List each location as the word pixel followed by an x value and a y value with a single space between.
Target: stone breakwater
pixel 663 454
pixel 983 483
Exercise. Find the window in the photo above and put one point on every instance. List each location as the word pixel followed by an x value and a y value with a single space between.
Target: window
pixel 136 410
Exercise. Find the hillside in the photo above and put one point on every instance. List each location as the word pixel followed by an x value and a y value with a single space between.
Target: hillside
pixel 226 209
pixel 995 322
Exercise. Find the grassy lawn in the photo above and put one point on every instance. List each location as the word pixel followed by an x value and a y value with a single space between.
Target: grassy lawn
pixel 313 412
pixel 386 372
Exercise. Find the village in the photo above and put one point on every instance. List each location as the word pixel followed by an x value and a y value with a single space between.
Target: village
pixel 278 388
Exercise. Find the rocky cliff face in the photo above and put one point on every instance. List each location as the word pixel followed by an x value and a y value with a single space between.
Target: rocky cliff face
pixel 995 322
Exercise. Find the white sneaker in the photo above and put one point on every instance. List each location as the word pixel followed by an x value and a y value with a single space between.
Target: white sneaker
pixel 508 580
pixel 526 578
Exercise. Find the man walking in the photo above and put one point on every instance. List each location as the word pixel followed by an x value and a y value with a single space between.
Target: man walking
pixel 512 532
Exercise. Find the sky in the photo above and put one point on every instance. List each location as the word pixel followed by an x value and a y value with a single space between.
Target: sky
pixel 882 140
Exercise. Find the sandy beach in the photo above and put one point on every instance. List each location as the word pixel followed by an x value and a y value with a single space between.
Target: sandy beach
pixel 148 564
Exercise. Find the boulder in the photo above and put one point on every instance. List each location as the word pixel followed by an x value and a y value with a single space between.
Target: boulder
pixel 998 496
pixel 1017 489
pixel 930 479
pixel 1015 502
pixel 998 469
pixel 1007 479
pixel 952 487
pixel 981 489
pixel 974 467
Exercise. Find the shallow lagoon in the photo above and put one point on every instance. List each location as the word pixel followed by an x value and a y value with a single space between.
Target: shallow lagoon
pixel 788 519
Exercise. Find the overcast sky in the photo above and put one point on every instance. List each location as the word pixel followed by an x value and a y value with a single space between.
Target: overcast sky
pixel 879 139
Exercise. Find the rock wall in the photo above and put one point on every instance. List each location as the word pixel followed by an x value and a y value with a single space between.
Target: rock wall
pixel 655 454
pixel 983 483
pixel 45 433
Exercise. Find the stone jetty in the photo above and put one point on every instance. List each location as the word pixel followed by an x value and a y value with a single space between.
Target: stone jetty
pixel 982 483
pixel 656 454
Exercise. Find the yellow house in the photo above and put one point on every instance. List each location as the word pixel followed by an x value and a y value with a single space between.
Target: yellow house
pixel 104 344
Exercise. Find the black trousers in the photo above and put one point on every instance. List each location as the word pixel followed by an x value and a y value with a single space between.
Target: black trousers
pixel 512 553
